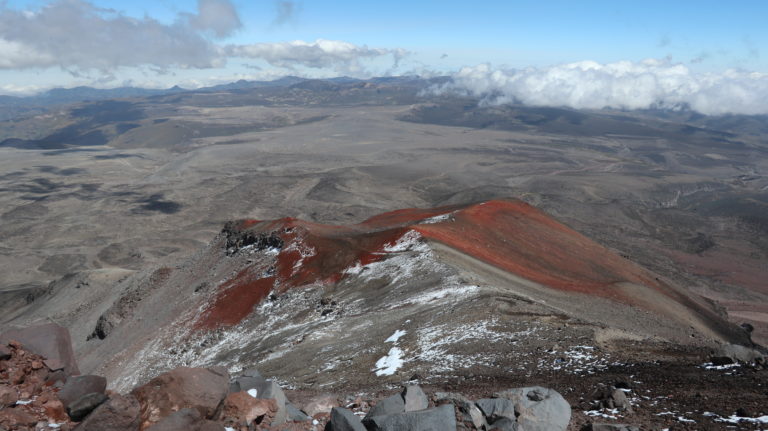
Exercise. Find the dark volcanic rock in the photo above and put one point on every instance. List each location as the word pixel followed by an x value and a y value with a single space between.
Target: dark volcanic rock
pixel 83 406
pixel 344 420
pixel 388 406
pixel 119 413
pixel 50 341
pixel 437 419
pixel 77 386
pixel 199 388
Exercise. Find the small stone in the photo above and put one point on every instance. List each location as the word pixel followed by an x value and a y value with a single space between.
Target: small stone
pixel 5 352
pixel 8 396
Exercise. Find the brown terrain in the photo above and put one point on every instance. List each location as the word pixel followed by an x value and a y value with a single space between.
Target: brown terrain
pixel 398 238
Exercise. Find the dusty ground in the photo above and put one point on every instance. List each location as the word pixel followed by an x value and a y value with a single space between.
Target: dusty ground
pixel 81 224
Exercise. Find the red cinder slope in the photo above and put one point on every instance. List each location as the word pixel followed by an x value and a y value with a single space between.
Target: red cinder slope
pixel 508 234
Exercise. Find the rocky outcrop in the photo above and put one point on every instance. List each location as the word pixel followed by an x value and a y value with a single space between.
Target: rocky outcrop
pixel 198 388
pixel 50 341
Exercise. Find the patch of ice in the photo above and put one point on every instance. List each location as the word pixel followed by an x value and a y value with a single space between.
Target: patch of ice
pixel 394 337
pixel 388 365
pixel 23 402
pixel 599 413
pixel 253 392
pixel 437 219
pixel 229 429
pixel 54 425
pixel 735 419
pixel 409 240
pixel 685 420
pixel 711 366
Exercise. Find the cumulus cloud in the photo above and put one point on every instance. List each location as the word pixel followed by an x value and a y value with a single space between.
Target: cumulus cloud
pixel 624 85
pixel 75 34
pixel 342 56
pixel 218 16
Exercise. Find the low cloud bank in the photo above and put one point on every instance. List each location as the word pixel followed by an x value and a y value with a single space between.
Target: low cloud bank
pixel 78 36
pixel 622 85
pixel 340 55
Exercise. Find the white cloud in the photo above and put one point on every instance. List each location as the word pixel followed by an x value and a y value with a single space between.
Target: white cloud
pixel 218 16
pixel 343 56
pixel 77 35
pixel 624 85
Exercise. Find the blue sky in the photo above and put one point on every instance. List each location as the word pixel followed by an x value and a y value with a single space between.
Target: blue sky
pixel 438 36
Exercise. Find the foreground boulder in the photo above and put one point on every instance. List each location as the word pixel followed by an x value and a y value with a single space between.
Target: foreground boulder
pixel 79 386
pixel 198 388
pixel 344 420
pixel 244 409
pixel 186 420
pixel 469 413
pixel 538 408
pixel 50 341
pixel 119 413
pixel 84 405
pixel 437 419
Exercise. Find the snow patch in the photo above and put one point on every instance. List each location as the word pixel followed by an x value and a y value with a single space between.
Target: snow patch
pixel 394 337
pixel 388 365
pixel 253 392
pixel 437 219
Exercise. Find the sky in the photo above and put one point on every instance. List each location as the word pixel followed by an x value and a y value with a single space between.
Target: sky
pixel 676 50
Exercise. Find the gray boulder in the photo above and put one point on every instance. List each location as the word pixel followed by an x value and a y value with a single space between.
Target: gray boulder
pixel 77 386
pixel 388 406
pixel 296 415
pixel 344 420
pixel 5 352
pixel 268 389
pixel 415 398
pixel 503 424
pixel 538 408
pixel 733 353
pixel 84 405
pixel 441 418
pixel 496 408
pixel 468 410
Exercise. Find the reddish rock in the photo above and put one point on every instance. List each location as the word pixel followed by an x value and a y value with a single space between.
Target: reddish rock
pixel 321 404
pixel 77 386
pixel 199 388
pixel 8 396
pixel 55 411
pixel 119 413
pixel 50 341
pixel 240 408
pixel 14 418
